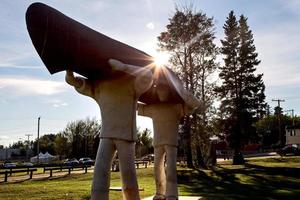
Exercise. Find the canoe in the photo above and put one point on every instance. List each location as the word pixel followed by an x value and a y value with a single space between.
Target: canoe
pixel 65 44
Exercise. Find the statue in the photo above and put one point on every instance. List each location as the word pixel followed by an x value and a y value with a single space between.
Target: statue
pixel 117 99
pixel 65 44
pixel 166 117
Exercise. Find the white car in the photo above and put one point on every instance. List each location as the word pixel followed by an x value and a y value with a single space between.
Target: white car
pixel 9 165
pixel 27 164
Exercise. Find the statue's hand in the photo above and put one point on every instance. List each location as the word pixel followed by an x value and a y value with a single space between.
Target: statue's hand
pixel 190 100
pixel 144 76
pixel 118 65
pixel 72 80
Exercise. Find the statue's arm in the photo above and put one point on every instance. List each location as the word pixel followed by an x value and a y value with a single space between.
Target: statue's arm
pixel 144 76
pixel 82 85
pixel 143 110
pixel 191 103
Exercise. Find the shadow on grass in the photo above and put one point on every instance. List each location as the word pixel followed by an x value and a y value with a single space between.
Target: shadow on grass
pixel 249 182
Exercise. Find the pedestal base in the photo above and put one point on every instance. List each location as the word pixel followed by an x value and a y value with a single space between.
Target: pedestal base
pixel 180 198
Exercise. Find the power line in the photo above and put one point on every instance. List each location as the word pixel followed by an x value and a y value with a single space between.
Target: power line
pixel 28 135
pixel 278 101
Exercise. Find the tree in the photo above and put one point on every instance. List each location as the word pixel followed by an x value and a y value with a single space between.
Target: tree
pixel 61 145
pixel 144 143
pixel 189 40
pixel 267 129
pixel 242 90
pixel 81 137
pixel 46 144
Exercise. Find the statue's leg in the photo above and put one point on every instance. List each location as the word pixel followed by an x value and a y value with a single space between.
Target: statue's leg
pixel 171 191
pixel 126 152
pixel 159 172
pixel 101 179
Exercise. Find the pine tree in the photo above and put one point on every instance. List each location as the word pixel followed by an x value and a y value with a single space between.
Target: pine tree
pixel 242 91
pixel 189 39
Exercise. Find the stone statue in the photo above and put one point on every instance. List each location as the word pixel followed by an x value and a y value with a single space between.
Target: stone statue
pixel 166 117
pixel 65 44
pixel 117 99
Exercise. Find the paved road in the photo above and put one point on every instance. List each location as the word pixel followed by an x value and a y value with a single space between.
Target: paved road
pixel 256 155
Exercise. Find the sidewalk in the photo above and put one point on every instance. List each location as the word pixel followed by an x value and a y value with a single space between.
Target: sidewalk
pixel 180 198
pixel 254 155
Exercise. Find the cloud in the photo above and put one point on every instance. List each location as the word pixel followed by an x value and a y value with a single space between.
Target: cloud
pixel 277 50
pixel 150 26
pixel 56 103
pixel 5 140
pixel 10 66
pixel 3 137
pixel 25 86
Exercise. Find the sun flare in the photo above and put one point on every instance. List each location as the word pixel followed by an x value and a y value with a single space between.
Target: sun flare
pixel 161 58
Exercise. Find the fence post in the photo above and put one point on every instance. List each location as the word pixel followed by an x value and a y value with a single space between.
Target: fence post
pixel 31 172
pixel 5 177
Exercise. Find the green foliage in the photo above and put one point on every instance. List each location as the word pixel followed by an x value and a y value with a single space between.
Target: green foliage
pixel 242 90
pixel 189 39
pixel 82 138
pixel 61 145
pixel 78 139
pixel 46 143
pixel 267 128
pixel 144 143
pixel 278 110
pixel 145 138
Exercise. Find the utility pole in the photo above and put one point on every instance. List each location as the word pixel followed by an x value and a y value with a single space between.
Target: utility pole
pixel 28 141
pixel 278 116
pixel 278 101
pixel 291 110
pixel 38 140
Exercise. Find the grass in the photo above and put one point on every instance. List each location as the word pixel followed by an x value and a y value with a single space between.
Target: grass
pixel 268 178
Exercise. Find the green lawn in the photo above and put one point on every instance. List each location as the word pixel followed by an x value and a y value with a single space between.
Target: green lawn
pixel 269 178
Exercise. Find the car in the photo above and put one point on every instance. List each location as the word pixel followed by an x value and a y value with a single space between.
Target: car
pixel 289 150
pixel 9 164
pixel 72 161
pixel 86 161
pixel 149 157
pixel 27 164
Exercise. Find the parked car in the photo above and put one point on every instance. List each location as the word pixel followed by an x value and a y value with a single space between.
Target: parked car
pixel 86 161
pixel 149 157
pixel 27 164
pixel 289 150
pixel 72 161
pixel 8 164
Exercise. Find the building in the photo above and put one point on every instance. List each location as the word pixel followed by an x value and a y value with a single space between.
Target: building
pixel 293 135
pixel 7 153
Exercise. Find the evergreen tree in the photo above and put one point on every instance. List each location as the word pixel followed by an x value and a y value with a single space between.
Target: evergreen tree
pixel 189 39
pixel 242 91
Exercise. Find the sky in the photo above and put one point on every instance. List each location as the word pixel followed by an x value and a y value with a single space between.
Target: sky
pixel 27 90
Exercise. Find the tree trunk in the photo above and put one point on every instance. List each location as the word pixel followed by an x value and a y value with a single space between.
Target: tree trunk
pixel 238 158
pixel 200 158
pixel 187 135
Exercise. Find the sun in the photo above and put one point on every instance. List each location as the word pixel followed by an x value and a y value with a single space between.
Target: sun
pixel 161 58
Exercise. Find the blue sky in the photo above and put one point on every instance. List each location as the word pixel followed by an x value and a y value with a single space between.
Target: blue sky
pixel 27 90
